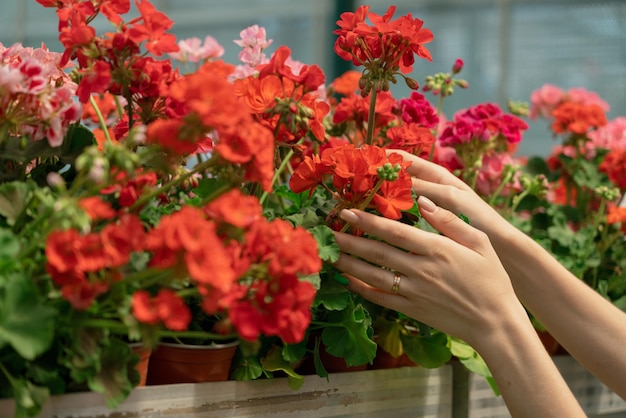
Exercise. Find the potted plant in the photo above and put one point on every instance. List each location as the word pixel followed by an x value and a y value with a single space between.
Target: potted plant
pixel 212 194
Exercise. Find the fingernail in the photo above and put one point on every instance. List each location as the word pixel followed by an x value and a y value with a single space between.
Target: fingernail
pixel 341 279
pixel 426 204
pixel 349 216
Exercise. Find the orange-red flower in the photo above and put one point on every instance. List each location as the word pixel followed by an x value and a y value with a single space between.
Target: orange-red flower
pixel 577 118
pixel 614 165
pixel 165 307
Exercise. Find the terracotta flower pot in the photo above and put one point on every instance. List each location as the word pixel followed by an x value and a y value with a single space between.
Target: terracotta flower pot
pixel 384 360
pixel 334 364
pixel 144 360
pixel 181 363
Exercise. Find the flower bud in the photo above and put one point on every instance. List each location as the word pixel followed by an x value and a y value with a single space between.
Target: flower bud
pixel 458 66
pixel 412 83
pixel 55 180
pixel 462 84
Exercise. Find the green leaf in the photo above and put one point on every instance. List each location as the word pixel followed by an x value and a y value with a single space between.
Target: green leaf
pixel 388 336
pixel 76 140
pixel 208 187
pixel 461 349
pixel 14 198
pixel 246 367
pixel 328 249
pixel 26 323
pixel 349 336
pixel 428 351
pixel 332 296
pixel 9 249
pixel 274 361
pixel 294 352
pixel 29 399
pixel 116 379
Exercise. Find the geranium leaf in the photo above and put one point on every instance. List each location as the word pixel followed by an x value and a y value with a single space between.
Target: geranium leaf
pixel 327 247
pixel 14 197
pixel 208 187
pixel 349 337
pixel 428 351
pixel 461 349
pixel 294 352
pixel 332 296
pixel 29 399
pixel 25 322
pixel 77 138
pixel 9 248
pixel 114 378
pixel 246 368
pixel 388 336
pixel 274 361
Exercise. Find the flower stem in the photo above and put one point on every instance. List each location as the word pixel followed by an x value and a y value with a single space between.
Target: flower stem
pixel 174 182
pixel 101 120
pixel 371 118
pixel 366 202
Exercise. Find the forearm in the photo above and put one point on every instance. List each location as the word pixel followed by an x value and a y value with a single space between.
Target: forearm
pixel 588 326
pixel 530 383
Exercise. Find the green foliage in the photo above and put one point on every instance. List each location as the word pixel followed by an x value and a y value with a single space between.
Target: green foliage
pixel 26 321
pixel 348 333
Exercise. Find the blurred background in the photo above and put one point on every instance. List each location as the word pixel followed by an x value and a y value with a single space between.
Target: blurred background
pixel 510 47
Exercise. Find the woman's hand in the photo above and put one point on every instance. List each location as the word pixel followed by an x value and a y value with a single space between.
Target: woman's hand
pixel 453 282
pixel 456 283
pixel 450 192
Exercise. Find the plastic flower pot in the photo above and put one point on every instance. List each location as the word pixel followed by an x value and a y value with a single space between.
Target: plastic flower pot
pixel 172 363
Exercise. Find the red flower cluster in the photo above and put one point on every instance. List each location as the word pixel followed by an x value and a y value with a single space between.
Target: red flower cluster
pixel 285 97
pixel 355 178
pixel 390 43
pixel 84 265
pixel 484 122
pixel 577 118
pixel 614 165
pixel 242 264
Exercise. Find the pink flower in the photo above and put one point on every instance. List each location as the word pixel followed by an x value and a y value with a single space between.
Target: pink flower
pixel 544 100
pixel 610 136
pixel 253 36
pixel 416 109
pixel 586 97
pixel 194 50
pixel 490 175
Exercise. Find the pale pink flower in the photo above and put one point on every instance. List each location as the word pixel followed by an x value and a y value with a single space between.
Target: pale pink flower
pixel 253 36
pixel 253 56
pixel 544 100
pixel 490 175
pixel 241 72
pixel 193 50
pixel 611 136
pixel 586 97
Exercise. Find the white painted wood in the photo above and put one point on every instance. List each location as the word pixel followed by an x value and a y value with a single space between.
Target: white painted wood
pixel 405 392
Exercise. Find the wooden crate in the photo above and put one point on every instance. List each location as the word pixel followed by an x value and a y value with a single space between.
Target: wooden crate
pixel 404 392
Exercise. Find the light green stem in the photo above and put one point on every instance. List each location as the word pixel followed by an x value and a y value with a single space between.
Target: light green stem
pixel 103 124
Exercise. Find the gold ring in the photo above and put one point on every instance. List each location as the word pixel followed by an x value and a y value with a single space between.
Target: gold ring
pixel 396 282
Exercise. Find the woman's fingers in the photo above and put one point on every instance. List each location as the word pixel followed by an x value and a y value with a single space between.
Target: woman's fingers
pixel 429 171
pixel 452 226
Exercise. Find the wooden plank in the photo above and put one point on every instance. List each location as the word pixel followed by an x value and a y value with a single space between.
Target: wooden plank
pixel 405 392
